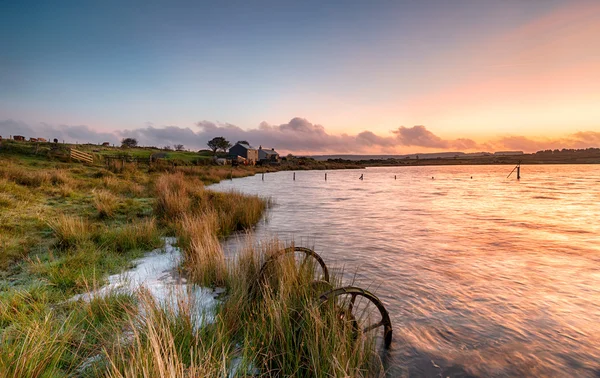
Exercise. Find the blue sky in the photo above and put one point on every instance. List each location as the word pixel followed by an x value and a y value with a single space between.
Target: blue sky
pixel 350 66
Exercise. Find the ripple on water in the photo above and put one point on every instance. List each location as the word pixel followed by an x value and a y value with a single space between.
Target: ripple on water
pixel 482 277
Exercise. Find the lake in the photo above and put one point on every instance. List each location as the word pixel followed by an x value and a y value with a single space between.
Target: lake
pixel 482 275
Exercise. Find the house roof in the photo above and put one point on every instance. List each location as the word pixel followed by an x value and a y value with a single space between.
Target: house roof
pixel 269 151
pixel 246 146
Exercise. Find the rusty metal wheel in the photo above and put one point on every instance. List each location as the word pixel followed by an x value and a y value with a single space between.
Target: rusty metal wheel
pixel 308 253
pixel 321 279
pixel 352 307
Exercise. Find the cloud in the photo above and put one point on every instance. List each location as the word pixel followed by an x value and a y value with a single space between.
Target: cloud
pixel 419 136
pixel 522 143
pixel 76 133
pixel 298 136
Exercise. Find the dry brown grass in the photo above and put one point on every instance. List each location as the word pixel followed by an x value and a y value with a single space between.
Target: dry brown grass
pixel 204 260
pixel 173 198
pixel 70 230
pixel 165 344
pixel 105 202
pixel 122 186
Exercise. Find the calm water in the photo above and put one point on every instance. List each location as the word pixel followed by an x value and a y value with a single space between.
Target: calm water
pixel 483 276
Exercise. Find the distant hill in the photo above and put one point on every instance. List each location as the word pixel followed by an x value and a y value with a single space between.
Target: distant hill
pixel 435 155
pixel 385 157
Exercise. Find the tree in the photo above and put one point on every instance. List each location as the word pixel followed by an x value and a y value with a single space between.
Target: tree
pixel 218 143
pixel 179 147
pixel 243 142
pixel 55 140
pixel 167 148
pixel 129 142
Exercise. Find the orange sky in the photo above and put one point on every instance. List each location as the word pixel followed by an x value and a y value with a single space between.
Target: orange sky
pixel 365 77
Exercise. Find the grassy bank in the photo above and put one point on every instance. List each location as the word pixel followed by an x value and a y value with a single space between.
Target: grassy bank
pixel 65 227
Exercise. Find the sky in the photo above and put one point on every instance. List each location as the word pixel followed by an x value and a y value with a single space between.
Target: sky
pixel 362 77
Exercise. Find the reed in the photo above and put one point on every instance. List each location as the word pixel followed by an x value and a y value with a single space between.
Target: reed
pixel 172 196
pixel 166 343
pixel 285 330
pixel 204 261
pixel 36 350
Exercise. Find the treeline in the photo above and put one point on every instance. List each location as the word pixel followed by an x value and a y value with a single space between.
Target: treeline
pixel 569 151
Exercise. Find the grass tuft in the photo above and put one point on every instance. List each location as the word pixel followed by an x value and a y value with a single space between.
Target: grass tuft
pixel 106 203
pixel 70 230
pixel 204 260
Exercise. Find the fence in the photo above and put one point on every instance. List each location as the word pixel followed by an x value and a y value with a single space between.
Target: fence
pixel 81 156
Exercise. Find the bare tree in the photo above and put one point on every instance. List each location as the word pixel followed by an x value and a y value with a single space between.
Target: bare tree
pixel 179 147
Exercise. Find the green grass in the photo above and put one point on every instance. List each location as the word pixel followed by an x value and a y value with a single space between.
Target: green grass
pixel 65 227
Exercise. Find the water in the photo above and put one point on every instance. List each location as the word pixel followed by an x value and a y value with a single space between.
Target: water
pixel 157 273
pixel 483 276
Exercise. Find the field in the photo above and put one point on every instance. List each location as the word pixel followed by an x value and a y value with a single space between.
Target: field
pixel 65 226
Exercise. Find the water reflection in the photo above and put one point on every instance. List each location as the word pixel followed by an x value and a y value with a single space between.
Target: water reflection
pixel 482 276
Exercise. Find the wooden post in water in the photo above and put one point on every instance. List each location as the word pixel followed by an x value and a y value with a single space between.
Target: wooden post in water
pixel 294 176
pixel 516 168
pixel 263 177
pixel 325 176
pixel 394 177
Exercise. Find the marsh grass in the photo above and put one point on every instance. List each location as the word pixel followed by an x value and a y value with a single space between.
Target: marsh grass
pixel 204 261
pixel 70 230
pixel 178 196
pixel 139 234
pixel 165 342
pixel 57 340
pixel 36 350
pixel 106 203
pixel 282 331
pixel 48 224
pixel 285 329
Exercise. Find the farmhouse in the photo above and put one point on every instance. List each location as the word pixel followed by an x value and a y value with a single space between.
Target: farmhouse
pixel 266 155
pixel 19 138
pixel 244 150
pixel 508 153
pixel 105 144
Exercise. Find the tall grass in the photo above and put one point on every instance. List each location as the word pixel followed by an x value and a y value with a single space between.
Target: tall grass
pixel 178 196
pixel 283 331
pixel 36 350
pixel 34 178
pixel 173 196
pixel 204 261
pixel 105 202
pixel 165 343
pixel 139 234
pixel 70 230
